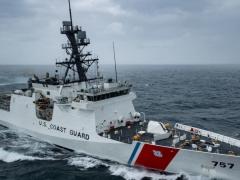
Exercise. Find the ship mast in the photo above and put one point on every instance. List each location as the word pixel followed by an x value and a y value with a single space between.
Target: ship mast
pixel 78 61
pixel 70 12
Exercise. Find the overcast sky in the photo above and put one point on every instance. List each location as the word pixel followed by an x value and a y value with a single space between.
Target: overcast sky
pixel 144 31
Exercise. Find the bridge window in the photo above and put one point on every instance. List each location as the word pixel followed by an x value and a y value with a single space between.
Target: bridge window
pixel 107 95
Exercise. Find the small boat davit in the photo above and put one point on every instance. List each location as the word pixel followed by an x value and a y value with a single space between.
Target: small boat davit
pixel 97 117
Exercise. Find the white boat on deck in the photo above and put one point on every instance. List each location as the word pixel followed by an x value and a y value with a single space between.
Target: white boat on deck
pixel 97 117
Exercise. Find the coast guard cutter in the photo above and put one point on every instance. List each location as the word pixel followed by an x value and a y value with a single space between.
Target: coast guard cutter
pixel 97 117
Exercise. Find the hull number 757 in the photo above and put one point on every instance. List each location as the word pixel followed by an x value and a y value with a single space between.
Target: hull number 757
pixel 223 164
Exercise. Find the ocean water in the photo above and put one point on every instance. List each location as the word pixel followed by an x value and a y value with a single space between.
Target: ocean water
pixel 206 96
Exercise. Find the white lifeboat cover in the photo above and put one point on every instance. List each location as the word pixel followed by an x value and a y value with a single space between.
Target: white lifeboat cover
pixel 155 127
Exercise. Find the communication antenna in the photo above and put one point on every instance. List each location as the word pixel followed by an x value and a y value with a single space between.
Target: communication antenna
pixel 70 12
pixel 98 74
pixel 115 62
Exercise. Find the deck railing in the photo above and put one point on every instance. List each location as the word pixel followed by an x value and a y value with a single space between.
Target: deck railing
pixel 209 134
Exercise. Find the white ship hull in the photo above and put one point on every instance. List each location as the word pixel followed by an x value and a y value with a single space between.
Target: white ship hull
pixel 139 154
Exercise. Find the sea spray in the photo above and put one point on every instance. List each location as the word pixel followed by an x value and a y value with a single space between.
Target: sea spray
pixel 8 157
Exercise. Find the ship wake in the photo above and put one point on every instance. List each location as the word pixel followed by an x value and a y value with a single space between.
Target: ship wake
pixel 19 147
pixel 9 157
pixel 129 173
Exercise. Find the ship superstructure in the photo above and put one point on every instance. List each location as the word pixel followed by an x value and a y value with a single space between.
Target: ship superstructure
pixel 97 117
pixel 77 89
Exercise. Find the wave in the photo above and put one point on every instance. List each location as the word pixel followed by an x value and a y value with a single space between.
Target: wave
pixel 131 173
pixel 86 162
pixel 19 146
pixel 126 172
pixel 8 157
pixel 5 81
pixel 7 84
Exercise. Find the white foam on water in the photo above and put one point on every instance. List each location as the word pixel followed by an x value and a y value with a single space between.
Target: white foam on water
pixel 5 84
pixel 15 80
pixel 32 148
pixel 198 177
pixel 8 157
pixel 126 172
pixel 85 162
pixel 195 176
pixel 131 173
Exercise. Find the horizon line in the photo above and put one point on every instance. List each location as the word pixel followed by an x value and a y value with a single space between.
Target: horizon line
pixel 187 64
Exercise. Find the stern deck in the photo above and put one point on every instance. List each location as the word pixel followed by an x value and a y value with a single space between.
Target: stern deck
pixel 178 139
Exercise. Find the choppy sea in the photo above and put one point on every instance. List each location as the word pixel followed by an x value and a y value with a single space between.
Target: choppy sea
pixel 206 96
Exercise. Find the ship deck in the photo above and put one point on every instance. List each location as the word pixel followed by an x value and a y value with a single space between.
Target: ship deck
pixel 125 134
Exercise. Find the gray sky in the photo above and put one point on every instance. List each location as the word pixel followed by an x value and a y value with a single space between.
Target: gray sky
pixel 144 31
